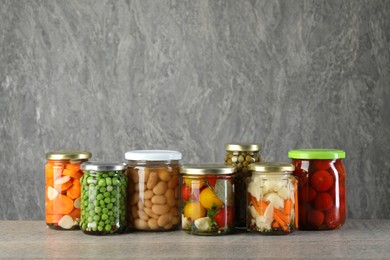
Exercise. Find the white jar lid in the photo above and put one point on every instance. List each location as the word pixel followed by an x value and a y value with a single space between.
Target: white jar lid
pixel 153 155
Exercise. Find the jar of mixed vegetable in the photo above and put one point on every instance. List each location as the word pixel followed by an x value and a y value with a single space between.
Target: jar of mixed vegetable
pixel 272 199
pixel 241 156
pixel 207 199
pixel 62 199
pixel 153 190
pixel 103 198
pixel 321 179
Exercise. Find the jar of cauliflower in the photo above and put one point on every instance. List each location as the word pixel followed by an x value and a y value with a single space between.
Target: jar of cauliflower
pixel 272 199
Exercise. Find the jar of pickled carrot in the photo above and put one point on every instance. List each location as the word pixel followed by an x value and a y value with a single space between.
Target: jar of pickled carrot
pixel 321 182
pixel 272 199
pixel 241 155
pixel 207 199
pixel 63 188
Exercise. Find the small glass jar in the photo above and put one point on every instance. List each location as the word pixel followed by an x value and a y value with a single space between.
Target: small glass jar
pixel 241 156
pixel 103 198
pixel 322 192
pixel 153 190
pixel 207 199
pixel 272 199
pixel 62 196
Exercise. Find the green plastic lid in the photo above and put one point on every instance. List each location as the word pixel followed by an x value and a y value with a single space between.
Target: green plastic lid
pixel 316 154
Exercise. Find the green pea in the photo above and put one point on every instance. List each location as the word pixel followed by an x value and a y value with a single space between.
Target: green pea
pixel 102 203
pixel 104 217
pixel 96 217
pixel 102 182
pixel 107 227
pixel 92 213
pixel 98 209
pixel 100 196
pixel 115 181
pixel 103 189
pixel 107 194
pixel 110 213
pixel 101 223
pixel 90 219
pixel 113 193
pixel 108 181
pixel 109 188
pixel 96 203
pixel 105 210
pixel 107 200
pixel 107 222
pixel 110 205
pixel 100 228
pixel 113 200
pixel 90 207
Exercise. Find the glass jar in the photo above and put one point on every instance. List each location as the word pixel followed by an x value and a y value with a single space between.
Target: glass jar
pixel 241 155
pixel 103 198
pixel 207 199
pixel 272 199
pixel 321 181
pixel 153 190
pixel 62 196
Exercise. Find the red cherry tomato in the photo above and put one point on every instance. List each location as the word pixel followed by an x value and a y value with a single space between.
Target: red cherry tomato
pixel 332 218
pixel 322 164
pixel 321 181
pixel 185 192
pixel 307 194
pixel 315 218
pixel 224 217
pixel 212 180
pixel 323 201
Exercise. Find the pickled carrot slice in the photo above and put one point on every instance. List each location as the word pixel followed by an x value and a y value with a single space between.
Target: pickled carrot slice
pixel 74 191
pixel 53 218
pixel 71 173
pixel 62 205
pixel 63 187
pixel 75 213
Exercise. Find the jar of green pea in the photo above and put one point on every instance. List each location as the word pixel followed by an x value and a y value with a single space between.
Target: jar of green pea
pixel 103 198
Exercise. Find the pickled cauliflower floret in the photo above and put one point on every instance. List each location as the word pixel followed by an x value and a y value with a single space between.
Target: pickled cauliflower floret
pixel 185 222
pixel 275 199
pixel 203 224
pixel 254 188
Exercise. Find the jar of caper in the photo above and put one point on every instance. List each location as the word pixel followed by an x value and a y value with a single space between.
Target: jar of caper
pixel 241 155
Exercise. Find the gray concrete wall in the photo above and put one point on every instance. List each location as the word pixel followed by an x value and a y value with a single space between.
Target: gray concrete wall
pixel 111 76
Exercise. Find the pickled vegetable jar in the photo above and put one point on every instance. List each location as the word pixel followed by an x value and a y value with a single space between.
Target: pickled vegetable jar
pixel 62 199
pixel 321 180
pixel 207 199
pixel 153 190
pixel 103 198
pixel 272 199
pixel 241 155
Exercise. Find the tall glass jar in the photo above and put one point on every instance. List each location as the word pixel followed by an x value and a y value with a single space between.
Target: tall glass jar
pixel 272 199
pixel 207 199
pixel 103 198
pixel 62 196
pixel 153 190
pixel 241 156
pixel 322 190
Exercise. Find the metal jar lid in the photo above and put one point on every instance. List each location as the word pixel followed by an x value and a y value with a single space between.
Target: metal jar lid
pixel 153 155
pixel 103 166
pixel 243 147
pixel 68 155
pixel 205 169
pixel 271 167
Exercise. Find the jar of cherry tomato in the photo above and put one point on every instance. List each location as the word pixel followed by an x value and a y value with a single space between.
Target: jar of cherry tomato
pixel 241 155
pixel 63 190
pixel 321 181
pixel 272 199
pixel 207 199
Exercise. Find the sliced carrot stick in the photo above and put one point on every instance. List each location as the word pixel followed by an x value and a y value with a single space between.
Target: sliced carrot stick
pixel 63 187
pixel 296 203
pixel 281 223
pixel 62 205
pixel 75 213
pixel 53 218
pixel 260 207
pixel 73 174
pixel 74 191
pixel 283 217
pixel 287 207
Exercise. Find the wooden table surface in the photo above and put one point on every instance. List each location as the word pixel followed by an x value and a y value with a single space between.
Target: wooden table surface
pixel 356 239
